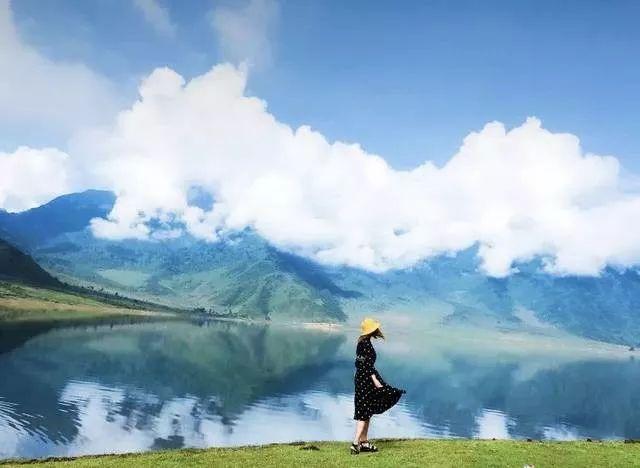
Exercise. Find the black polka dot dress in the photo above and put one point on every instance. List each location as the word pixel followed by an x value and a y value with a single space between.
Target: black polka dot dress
pixel 368 398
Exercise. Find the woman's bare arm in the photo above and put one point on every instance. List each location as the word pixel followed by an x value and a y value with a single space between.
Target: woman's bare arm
pixel 376 382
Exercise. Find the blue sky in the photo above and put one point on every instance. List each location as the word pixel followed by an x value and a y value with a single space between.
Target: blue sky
pixel 406 80
pixel 409 81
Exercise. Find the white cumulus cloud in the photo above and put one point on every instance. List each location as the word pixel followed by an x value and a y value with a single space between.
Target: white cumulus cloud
pixel 517 193
pixel 31 177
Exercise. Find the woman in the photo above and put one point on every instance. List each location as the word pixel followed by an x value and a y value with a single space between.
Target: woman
pixel 372 394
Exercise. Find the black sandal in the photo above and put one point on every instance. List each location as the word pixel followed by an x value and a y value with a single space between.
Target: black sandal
pixel 355 449
pixel 367 446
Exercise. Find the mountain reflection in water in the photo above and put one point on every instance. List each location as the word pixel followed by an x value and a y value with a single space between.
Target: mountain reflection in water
pixel 143 386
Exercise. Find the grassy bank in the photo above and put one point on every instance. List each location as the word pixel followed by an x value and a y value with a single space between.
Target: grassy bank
pixel 440 453
pixel 21 303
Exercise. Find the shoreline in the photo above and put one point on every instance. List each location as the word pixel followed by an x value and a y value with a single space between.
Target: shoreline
pixel 393 452
pixel 23 304
pixel 514 342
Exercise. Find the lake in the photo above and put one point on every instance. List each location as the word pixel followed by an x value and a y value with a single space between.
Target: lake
pixel 120 387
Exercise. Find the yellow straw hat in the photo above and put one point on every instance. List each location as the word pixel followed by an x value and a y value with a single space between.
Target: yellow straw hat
pixel 368 325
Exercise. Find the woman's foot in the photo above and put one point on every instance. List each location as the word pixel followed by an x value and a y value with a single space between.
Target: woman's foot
pixel 367 446
pixel 355 449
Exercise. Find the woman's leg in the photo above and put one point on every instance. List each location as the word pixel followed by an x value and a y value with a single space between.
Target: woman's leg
pixel 364 436
pixel 360 425
pixel 365 445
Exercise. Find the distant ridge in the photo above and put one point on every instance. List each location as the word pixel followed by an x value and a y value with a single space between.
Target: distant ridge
pixel 67 213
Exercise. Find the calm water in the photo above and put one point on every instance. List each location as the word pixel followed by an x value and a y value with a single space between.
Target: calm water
pixel 132 387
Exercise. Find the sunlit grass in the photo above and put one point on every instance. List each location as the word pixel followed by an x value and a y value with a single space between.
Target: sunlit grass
pixel 21 303
pixel 405 453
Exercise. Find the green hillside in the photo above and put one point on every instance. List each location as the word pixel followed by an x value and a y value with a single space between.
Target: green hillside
pixel 453 291
pixel 244 277
pixel 20 303
pixel 28 293
pixel 18 266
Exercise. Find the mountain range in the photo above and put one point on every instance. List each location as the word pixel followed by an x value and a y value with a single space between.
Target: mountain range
pixel 244 276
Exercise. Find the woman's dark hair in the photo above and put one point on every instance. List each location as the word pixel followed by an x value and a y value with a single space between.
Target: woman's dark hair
pixel 377 333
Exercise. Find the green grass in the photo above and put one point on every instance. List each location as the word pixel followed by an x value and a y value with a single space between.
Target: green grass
pixel 405 453
pixel 21 303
